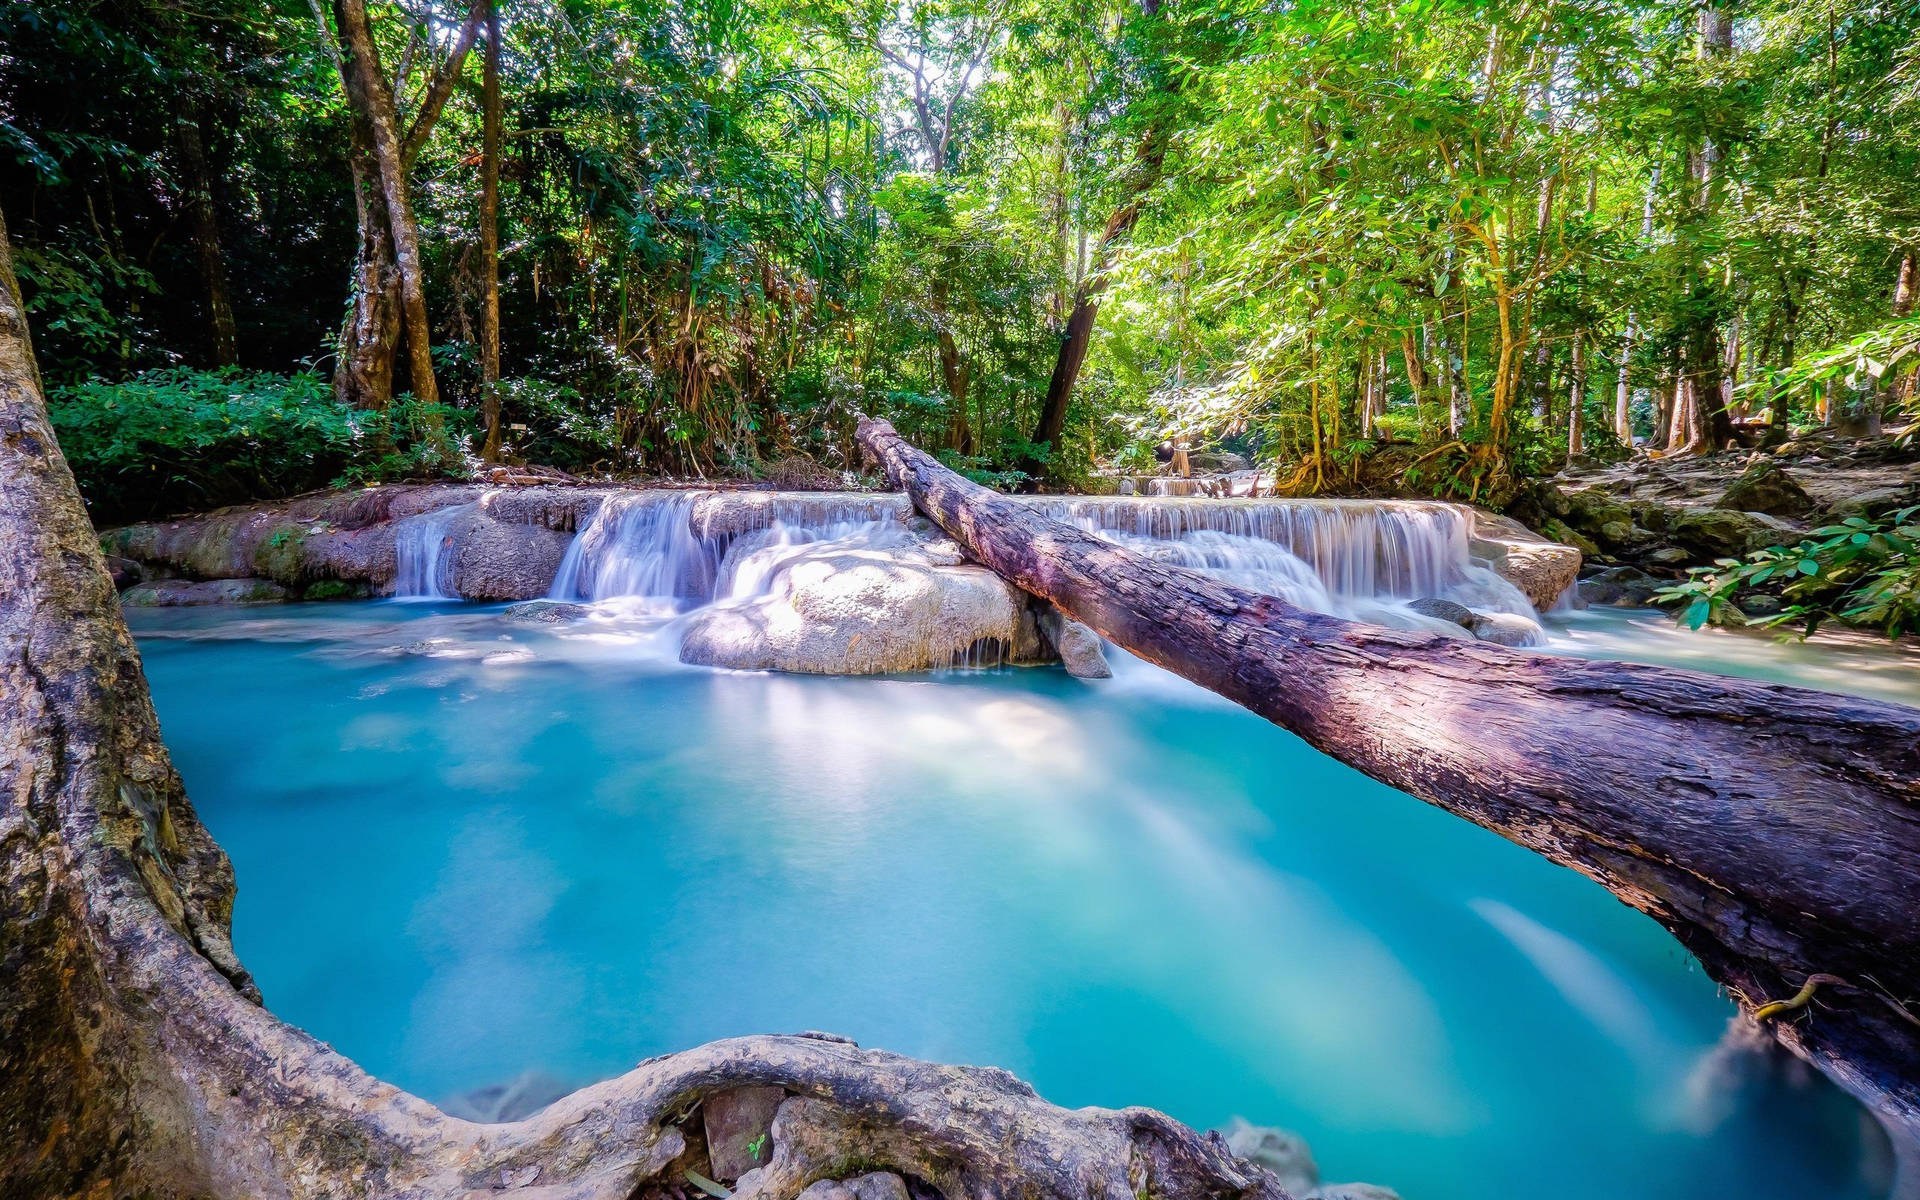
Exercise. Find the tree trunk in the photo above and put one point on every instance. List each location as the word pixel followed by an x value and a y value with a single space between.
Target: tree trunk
pixel 363 368
pixel 137 1059
pixel 1577 399
pixel 1774 831
pixel 1086 305
pixel 372 101
pixel 204 229
pixel 490 238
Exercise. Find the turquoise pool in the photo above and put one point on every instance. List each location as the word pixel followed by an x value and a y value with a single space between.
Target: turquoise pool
pixel 472 851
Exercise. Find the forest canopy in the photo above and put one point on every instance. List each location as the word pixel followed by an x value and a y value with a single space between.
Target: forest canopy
pixel 269 245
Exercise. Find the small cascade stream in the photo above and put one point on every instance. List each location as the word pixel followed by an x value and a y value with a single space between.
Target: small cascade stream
pixel 421 548
pixel 653 553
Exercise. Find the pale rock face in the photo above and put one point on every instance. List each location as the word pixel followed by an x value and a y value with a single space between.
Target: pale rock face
pixel 844 609
pixel 1538 567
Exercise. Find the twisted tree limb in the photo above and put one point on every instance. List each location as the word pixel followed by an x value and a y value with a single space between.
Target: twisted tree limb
pixel 1775 831
pixel 136 1059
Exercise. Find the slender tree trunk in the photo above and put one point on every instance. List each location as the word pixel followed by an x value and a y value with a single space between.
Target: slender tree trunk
pixel 1086 300
pixel 490 238
pixel 1901 388
pixel 204 228
pixel 1577 400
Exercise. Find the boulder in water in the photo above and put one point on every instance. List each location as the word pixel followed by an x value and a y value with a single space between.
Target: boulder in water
pixel 1284 1153
pixel 1444 610
pixel 1505 629
pixel 1624 587
pixel 496 560
pixel 840 608
pixel 549 612
pixel 1080 649
pixel 180 593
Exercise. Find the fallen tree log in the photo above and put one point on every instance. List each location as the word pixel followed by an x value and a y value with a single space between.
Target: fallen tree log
pixel 136 1059
pixel 1774 831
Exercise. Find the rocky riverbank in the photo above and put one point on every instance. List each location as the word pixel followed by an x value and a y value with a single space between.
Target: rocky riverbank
pixel 1642 523
pixel 822 582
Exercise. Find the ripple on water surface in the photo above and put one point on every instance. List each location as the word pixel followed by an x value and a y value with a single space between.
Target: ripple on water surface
pixel 469 849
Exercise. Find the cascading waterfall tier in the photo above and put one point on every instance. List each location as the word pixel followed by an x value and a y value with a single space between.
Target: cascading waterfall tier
pixel 665 553
pixel 1362 559
pixel 422 548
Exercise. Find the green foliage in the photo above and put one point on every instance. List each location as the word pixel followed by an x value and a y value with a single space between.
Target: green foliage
pixel 177 439
pixel 1859 572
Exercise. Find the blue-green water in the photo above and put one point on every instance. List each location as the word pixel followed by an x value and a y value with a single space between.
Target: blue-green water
pixel 469 849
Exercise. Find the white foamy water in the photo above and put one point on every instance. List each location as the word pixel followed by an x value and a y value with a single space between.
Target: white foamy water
pixel 422 548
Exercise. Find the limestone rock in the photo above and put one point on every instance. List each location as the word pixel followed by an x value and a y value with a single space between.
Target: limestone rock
pixel 1285 1154
pixel 1567 535
pixel 1445 610
pixel 1727 532
pixel 1505 629
pixel 1593 508
pixel 495 560
pixel 1622 587
pixel 1080 649
pixel 839 608
pixel 1874 502
pixel 1766 488
pixel 179 593
pixel 547 612
pixel 1539 568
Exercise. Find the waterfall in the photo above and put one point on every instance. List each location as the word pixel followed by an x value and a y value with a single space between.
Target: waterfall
pixel 664 553
pixel 420 546
pixel 1361 559
pixel 639 544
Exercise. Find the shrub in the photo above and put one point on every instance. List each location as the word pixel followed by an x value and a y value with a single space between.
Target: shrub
pixel 177 439
pixel 1859 572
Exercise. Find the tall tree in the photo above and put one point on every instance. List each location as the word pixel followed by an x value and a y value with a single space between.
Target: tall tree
pixel 490 238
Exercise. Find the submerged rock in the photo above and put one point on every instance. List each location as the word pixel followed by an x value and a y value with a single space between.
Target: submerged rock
pixel 1505 629
pixel 179 593
pixel 1290 1159
pixel 551 612
pixel 1284 1153
pixel 512 1101
pixel 1444 610
pixel 1622 587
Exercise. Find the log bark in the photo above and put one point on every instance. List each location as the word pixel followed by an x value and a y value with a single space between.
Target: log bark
pixel 1774 831
pixel 136 1058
